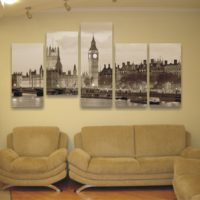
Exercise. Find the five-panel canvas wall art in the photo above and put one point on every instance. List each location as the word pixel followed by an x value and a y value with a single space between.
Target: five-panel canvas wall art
pixel 139 75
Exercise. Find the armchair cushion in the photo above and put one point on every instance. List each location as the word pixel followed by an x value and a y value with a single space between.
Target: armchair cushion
pixel 35 141
pixel 30 165
pixel 10 161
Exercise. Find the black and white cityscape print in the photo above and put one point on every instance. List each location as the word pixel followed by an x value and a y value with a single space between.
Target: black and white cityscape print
pixel 165 75
pixel 96 65
pixel 62 63
pixel 130 75
pixel 27 75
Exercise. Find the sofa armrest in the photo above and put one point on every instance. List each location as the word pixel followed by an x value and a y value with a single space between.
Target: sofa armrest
pixel 191 152
pixel 57 158
pixel 79 158
pixel 186 166
pixel 7 156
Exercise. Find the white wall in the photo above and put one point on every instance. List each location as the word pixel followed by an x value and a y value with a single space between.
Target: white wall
pixel 145 27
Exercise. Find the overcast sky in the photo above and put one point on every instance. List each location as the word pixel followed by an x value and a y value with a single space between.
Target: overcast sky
pixel 68 44
pixel 27 56
pixel 102 33
pixel 133 52
pixel 165 51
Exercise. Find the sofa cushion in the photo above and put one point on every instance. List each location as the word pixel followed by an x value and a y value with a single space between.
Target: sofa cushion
pixel 188 186
pixel 156 165
pixel 35 141
pixel 159 140
pixel 122 165
pixel 113 165
pixel 108 141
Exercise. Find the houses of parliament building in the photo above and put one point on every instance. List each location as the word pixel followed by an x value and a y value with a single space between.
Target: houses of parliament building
pixel 58 81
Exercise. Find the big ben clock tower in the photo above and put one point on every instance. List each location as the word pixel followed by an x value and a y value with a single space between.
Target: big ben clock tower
pixel 93 58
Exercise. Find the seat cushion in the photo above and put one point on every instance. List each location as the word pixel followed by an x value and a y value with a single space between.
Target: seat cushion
pixel 35 141
pixel 11 162
pixel 156 165
pixel 33 176
pixel 30 165
pixel 108 141
pixel 188 186
pixel 149 165
pixel 113 165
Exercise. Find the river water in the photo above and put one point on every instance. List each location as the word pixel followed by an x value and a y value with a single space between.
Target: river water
pixel 96 103
pixel 27 101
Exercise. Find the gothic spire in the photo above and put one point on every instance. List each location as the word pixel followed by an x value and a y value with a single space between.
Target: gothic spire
pixel 93 45
pixel 58 63
pixel 58 59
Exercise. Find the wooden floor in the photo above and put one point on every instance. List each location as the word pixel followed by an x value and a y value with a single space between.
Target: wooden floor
pixel 111 193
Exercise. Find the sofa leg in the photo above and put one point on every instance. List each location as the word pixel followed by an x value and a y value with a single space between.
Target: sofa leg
pixel 53 187
pixel 5 187
pixel 83 188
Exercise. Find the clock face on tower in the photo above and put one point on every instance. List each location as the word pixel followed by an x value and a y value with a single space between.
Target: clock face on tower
pixel 94 55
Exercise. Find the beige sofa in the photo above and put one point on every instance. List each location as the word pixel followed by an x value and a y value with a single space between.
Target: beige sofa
pixel 36 156
pixel 186 181
pixel 126 155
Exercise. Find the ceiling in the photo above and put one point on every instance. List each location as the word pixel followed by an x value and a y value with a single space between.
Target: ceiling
pixel 45 5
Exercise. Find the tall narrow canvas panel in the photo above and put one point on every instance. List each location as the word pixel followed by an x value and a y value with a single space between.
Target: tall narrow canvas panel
pixel 62 63
pixel 96 65
pixel 165 75
pixel 131 75
pixel 27 75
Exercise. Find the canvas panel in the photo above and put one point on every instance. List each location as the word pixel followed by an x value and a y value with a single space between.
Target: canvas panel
pixel 62 63
pixel 165 75
pixel 27 75
pixel 131 75
pixel 96 65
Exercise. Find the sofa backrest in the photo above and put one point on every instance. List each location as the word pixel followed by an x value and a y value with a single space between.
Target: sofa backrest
pixel 35 141
pixel 108 141
pixel 159 140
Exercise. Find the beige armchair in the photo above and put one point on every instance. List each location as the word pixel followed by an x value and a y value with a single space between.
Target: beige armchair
pixel 35 156
pixel 186 181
